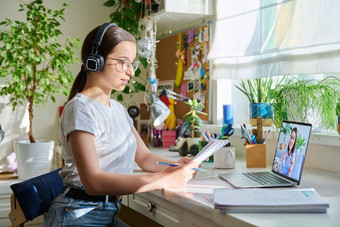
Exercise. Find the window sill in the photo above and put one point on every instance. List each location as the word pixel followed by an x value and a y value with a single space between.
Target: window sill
pixel 324 138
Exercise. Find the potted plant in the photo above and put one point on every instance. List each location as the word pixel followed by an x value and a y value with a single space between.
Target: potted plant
pixel 260 105
pixel 194 123
pixel 37 68
pixel 338 115
pixel 297 99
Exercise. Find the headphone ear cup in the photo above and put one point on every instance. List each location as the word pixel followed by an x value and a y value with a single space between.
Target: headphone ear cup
pixel 95 63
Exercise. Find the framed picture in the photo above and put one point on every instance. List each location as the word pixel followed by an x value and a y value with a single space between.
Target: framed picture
pixel 190 86
pixel 167 84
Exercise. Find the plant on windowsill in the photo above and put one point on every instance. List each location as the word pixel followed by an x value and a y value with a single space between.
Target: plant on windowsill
pixel 260 105
pixel 297 99
pixel 338 115
pixel 36 65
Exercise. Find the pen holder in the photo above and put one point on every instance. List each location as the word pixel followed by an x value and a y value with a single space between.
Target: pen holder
pixel 256 155
pixel 201 145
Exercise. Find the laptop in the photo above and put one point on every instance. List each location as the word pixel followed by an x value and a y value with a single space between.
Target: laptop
pixel 288 160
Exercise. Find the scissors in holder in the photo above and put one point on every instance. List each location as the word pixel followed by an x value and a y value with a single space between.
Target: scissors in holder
pixel 229 130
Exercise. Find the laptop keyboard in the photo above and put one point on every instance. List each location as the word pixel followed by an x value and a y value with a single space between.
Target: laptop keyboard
pixel 265 178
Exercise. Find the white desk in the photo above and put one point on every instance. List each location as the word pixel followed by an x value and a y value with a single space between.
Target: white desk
pixel 192 206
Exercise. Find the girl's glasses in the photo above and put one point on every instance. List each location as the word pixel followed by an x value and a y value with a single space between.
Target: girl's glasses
pixel 126 64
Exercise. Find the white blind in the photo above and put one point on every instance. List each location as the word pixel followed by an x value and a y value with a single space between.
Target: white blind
pixel 260 38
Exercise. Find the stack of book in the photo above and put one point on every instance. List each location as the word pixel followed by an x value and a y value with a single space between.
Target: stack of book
pixel 168 138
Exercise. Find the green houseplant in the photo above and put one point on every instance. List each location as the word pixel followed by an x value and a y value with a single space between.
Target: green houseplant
pixel 35 64
pixel 191 118
pixel 257 92
pixel 193 122
pixel 338 116
pixel 296 99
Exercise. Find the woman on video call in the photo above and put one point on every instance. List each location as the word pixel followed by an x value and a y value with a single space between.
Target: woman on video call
pixel 288 155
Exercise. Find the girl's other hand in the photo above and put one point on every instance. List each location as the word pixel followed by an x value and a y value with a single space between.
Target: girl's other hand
pixel 186 160
pixel 179 176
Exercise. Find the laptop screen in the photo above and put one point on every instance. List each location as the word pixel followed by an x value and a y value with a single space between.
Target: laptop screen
pixel 291 150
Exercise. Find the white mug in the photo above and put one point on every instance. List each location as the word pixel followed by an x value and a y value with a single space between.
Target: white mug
pixel 225 158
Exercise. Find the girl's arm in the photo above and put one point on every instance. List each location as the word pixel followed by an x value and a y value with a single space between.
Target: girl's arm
pixel 291 164
pixel 283 161
pixel 148 160
pixel 98 182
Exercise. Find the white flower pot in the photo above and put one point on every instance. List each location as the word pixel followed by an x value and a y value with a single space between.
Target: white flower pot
pixel 33 159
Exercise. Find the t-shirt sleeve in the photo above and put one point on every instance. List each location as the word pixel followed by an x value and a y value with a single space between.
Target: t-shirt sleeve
pixel 77 117
pixel 128 118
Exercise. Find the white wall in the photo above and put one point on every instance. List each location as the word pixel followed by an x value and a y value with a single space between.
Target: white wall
pixel 80 17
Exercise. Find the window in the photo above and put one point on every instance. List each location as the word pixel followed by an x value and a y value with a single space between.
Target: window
pixel 267 38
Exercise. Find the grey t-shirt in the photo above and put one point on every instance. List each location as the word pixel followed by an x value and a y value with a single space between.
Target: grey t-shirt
pixel 111 126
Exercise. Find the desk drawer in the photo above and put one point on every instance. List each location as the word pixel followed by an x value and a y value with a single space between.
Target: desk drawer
pixel 154 208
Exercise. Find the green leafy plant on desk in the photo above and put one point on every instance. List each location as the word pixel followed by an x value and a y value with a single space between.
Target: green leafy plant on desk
pixel 297 98
pixel 191 118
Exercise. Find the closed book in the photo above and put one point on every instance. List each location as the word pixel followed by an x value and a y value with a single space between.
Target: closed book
pixel 269 201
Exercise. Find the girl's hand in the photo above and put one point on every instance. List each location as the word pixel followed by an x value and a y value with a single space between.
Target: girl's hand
pixel 179 176
pixel 186 160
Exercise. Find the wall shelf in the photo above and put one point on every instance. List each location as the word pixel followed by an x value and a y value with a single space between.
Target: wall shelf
pixel 178 15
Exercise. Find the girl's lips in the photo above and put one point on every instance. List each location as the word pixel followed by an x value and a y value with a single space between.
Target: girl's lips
pixel 125 81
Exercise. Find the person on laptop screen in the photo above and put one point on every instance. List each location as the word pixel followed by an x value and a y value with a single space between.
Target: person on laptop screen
pixel 288 155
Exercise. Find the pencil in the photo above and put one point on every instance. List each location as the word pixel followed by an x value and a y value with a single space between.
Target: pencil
pixel 174 165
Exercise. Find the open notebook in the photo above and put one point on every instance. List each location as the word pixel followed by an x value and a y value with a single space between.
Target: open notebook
pixel 287 167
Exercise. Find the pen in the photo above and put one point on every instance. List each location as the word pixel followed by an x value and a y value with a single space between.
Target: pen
pixel 174 165
pixel 265 136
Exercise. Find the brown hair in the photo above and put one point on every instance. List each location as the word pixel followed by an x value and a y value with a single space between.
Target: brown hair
pixel 294 130
pixel 112 37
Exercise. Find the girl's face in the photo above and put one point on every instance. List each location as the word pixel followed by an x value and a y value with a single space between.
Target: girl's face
pixel 120 59
pixel 292 139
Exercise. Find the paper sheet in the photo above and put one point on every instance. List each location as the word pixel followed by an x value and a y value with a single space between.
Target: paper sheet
pixel 210 149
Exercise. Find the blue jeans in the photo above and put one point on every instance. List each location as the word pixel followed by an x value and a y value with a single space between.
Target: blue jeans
pixel 66 211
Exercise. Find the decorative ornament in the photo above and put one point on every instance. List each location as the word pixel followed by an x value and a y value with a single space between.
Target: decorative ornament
pixel 144 47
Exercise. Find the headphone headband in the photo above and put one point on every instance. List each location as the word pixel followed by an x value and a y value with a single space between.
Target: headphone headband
pixel 100 34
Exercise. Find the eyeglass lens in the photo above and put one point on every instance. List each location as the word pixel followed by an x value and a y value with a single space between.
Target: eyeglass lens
pixel 127 64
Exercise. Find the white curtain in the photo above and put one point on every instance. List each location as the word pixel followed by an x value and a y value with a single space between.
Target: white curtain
pixel 261 38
